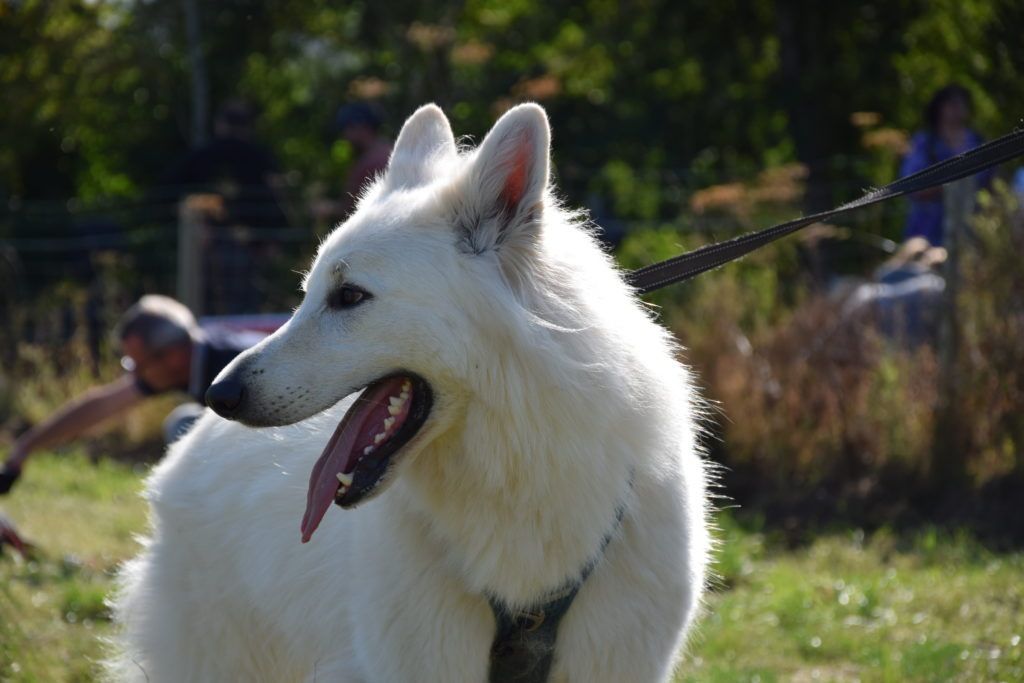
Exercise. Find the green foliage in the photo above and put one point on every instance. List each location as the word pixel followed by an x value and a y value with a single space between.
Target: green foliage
pixel 665 95
pixel 962 42
pixel 83 101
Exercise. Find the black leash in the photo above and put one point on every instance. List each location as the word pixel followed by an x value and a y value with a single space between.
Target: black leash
pixel 686 266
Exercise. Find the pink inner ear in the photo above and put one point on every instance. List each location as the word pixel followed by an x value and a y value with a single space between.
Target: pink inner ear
pixel 515 182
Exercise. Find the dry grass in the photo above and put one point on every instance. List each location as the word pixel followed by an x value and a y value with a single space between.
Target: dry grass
pixel 821 418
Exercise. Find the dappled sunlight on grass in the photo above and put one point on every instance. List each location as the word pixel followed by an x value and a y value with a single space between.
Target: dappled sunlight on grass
pixel 69 505
pixel 933 606
pixel 82 517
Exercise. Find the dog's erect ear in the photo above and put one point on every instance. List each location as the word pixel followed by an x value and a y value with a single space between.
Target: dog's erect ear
pixel 503 192
pixel 426 138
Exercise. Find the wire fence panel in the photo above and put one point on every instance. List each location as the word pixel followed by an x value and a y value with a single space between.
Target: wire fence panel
pixel 64 268
pixel 67 271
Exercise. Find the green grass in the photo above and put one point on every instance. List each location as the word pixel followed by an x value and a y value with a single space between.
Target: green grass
pixel 929 607
pixel 932 607
pixel 82 517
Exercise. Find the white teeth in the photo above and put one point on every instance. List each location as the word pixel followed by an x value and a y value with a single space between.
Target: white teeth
pixel 345 479
pixel 394 410
pixel 380 437
pixel 397 402
pixel 388 422
pixel 368 450
pixel 404 396
pixel 406 386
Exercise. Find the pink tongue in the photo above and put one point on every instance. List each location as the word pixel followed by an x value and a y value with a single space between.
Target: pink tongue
pixel 323 482
pixel 342 452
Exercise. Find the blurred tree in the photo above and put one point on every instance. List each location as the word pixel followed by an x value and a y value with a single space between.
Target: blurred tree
pixel 669 97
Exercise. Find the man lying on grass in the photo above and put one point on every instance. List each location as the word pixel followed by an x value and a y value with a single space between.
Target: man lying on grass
pixel 165 350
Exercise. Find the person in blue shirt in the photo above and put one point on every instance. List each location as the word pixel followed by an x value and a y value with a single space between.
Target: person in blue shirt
pixel 947 133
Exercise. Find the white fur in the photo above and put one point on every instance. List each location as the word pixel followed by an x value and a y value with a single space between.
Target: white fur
pixel 553 390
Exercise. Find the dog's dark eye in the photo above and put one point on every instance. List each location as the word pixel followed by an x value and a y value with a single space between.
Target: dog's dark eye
pixel 346 296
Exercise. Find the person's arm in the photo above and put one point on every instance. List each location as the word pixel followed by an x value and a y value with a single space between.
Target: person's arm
pixel 75 417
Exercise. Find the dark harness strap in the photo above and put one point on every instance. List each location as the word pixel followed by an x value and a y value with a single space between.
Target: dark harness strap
pixel 524 641
pixel 691 264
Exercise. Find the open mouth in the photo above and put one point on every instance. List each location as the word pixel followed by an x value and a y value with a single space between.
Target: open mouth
pixel 385 416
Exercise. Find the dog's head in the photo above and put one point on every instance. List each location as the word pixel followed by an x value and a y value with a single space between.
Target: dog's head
pixel 400 302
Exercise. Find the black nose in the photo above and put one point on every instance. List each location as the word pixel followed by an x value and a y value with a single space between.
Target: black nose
pixel 225 396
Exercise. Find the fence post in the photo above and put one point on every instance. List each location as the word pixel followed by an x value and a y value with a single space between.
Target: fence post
pixel 950 442
pixel 191 223
pixel 197 71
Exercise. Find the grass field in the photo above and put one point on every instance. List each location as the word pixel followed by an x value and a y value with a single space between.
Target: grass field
pixel 844 607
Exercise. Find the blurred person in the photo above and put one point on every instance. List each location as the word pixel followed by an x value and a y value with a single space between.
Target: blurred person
pixel 245 176
pixel 359 124
pixel 947 134
pixel 165 350
pixel 904 298
pixel 235 166
pixel 914 256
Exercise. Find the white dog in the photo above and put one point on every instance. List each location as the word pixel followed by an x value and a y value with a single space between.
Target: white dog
pixel 524 431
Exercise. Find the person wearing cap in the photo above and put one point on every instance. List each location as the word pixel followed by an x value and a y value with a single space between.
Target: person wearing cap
pixel 165 350
pixel 247 211
pixel 359 124
pixel 235 166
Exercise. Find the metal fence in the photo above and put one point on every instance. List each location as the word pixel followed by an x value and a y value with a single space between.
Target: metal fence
pixel 67 270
